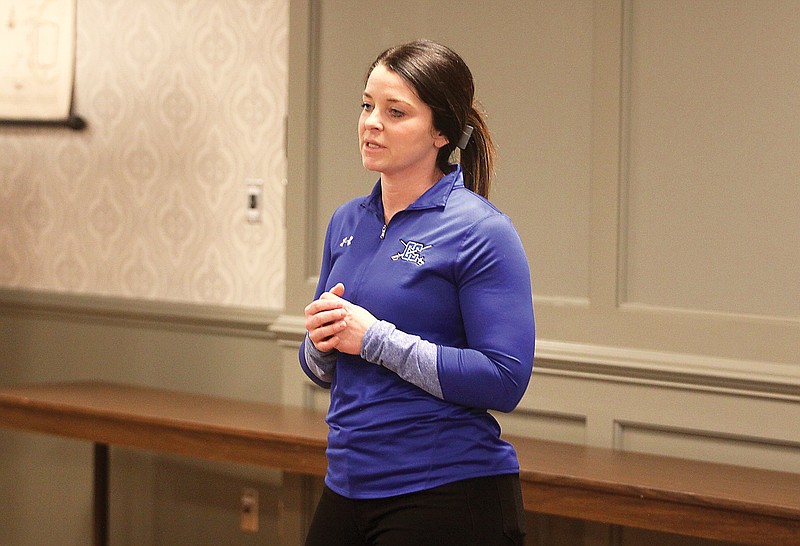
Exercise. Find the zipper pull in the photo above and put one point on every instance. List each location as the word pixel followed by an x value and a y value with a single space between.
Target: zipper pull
pixel 383 231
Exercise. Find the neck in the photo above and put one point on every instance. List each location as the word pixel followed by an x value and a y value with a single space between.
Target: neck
pixel 399 192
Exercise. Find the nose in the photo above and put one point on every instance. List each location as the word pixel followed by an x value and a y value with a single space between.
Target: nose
pixel 372 120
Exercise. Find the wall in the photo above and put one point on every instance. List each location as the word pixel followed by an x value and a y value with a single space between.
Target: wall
pixel 649 159
pixel 155 499
pixel 125 255
pixel 184 101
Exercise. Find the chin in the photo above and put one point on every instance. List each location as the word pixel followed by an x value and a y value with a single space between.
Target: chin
pixel 370 165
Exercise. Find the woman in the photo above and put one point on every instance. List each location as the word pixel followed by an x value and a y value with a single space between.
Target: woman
pixel 421 323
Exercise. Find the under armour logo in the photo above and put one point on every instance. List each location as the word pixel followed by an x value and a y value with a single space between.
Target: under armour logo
pixel 346 241
pixel 412 253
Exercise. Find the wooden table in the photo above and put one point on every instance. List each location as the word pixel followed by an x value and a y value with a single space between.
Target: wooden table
pixel 289 438
pixel 686 497
pixel 660 493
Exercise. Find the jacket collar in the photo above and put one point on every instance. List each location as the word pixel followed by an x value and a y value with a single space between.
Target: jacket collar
pixel 435 197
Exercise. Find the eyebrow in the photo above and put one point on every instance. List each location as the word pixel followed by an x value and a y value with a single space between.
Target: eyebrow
pixel 401 101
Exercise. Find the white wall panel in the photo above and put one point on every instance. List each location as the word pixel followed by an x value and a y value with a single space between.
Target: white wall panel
pixel 713 158
pixel 552 425
pixel 708 445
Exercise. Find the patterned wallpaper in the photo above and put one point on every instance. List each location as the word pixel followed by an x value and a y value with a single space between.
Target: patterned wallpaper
pixel 185 100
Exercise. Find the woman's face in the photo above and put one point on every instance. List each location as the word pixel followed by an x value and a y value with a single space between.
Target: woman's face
pixel 395 129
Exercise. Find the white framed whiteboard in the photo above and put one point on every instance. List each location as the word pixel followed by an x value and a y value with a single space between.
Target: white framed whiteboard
pixel 37 60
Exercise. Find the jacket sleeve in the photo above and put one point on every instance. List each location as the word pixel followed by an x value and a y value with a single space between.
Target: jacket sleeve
pixel 495 296
pixel 311 359
pixel 320 364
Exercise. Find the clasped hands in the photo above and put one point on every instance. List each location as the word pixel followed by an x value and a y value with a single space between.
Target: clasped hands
pixel 333 322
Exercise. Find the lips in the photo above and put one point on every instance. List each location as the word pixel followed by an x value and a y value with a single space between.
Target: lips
pixel 371 148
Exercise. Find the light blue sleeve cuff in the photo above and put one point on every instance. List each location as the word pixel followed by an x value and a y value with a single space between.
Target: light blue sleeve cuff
pixel 409 356
pixel 321 364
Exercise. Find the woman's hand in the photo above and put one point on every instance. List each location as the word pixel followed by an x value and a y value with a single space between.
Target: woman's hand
pixel 335 323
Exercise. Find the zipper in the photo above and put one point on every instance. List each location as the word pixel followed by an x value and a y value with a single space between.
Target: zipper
pixel 383 231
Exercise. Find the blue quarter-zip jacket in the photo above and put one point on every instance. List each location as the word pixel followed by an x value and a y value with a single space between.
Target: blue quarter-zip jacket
pixel 451 269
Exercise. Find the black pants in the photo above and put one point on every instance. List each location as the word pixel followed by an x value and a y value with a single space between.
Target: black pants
pixel 479 512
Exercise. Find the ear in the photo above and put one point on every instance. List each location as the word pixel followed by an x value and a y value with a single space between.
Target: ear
pixel 439 139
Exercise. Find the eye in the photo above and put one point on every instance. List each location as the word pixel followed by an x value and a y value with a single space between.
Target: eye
pixel 395 113
pixel 367 107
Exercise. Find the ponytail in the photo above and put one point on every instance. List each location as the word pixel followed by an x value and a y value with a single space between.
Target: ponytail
pixel 478 156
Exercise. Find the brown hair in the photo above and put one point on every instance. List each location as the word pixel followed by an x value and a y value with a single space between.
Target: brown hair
pixel 444 82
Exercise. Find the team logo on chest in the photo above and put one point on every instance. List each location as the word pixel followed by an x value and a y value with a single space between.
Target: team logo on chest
pixel 412 252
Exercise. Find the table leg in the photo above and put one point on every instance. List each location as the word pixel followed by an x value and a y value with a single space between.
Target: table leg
pixel 100 494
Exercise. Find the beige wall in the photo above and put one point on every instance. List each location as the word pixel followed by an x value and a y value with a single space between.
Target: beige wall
pixel 46 482
pixel 184 101
pixel 649 158
pixel 125 255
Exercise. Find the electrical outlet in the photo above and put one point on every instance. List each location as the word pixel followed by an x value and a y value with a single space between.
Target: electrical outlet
pixel 255 195
pixel 248 518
